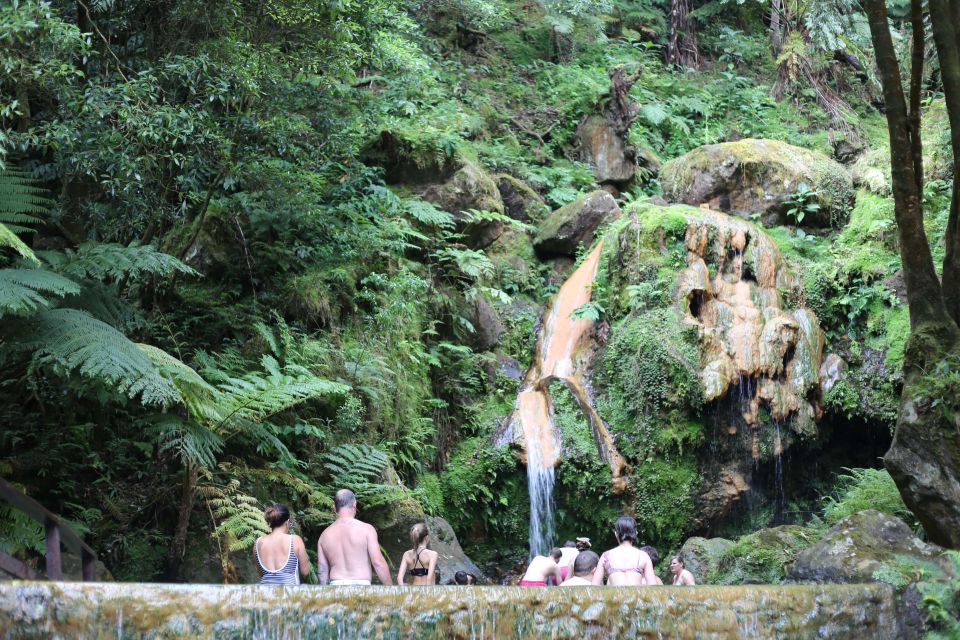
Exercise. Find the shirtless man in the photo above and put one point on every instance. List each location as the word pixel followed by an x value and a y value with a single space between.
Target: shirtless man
pixel 583 568
pixel 348 547
pixel 541 568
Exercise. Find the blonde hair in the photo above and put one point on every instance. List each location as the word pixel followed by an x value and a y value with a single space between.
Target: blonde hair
pixel 418 533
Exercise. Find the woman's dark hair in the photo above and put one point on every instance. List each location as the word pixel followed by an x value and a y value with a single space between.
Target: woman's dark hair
pixel 276 515
pixel 417 533
pixel 626 529
pixel 460 577
pixel 654 556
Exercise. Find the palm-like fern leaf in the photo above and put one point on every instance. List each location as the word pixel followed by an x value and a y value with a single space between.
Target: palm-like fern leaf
pixel 22 290
pixel 197 394
pixel 74 340
pixel 359 468
pixel 114 261
pixel 190 442
pixel 9 239
pixel 19 198
pixel 238 517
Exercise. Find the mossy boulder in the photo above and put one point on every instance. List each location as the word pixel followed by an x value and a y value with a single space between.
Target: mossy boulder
pixel 470 187
pixel 575 223
pixel 701 556
pixel 763 557
pixel 757 176
pixel 864 547
pixel 396 540
pixel 520 202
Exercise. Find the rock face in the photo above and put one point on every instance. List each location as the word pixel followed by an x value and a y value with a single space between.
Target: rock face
pixel 730 291
pixel 470 188
pixel 756 176
pixel 486 324
pixel 855 548
pixel 520 202
pixel 609 156
pixel 701 556
pixel 575 223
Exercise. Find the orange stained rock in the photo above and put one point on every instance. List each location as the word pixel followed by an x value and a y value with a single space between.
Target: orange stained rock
pixel 539 433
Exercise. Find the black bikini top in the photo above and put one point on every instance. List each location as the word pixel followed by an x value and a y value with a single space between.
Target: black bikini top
pixel 420 571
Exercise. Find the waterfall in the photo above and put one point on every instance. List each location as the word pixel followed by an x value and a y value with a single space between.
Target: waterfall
pixel 563 353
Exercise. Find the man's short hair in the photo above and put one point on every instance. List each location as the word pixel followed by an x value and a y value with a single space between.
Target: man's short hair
pixel 586 562
pixel 653 553
pixel 555 553
pixel 344 498
pixel 569 544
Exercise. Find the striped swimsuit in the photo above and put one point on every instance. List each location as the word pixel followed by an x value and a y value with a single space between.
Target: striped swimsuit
pixel 289 573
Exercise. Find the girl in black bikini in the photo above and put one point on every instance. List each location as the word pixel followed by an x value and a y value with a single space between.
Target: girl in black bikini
pixel 421 561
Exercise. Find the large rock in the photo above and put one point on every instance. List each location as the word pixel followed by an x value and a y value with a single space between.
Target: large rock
pixel 396 540
pixel 520 202
pixel 487 327
pixel 756 176
pixel 701 556
pixel 863 544
pixel 575 223
pixel 469 188
pixel 610 157
pixel 762 557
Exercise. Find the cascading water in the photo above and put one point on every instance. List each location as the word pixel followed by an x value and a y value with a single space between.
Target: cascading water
pixel 563 353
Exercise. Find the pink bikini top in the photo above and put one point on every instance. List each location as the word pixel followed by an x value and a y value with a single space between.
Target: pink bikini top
pixel 610 569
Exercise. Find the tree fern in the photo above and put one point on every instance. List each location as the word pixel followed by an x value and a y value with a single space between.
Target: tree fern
pixel 19 200
pixel 199 396
pixel 72 340
pixel 22 291
pixel 188 441
pixel 428 214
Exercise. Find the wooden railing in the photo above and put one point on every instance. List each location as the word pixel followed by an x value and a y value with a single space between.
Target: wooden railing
pixel 57 532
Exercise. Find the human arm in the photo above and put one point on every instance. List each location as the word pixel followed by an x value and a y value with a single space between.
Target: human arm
pixel 554 570
pixel 323 568
pixel 432 569
pixel 302 559
pixel 376 558
pixel 402 570
pixel 649 577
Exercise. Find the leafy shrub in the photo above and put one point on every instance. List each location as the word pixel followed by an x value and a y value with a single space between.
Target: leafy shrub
pixel 866 489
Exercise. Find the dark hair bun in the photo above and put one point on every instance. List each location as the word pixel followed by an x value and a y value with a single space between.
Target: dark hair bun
pixel 276 515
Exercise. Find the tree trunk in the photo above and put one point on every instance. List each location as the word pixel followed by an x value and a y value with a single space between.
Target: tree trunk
pixel 943 19
pixel 916 84
pixel 682 46
pixel 179 544
pixel 776 35
pixel 924 458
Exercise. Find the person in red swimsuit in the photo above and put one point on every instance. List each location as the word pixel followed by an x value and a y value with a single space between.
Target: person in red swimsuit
pixel 541 569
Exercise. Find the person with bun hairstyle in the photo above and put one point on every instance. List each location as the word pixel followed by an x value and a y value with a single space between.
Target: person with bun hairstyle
pixel 625 565
pixel 421 560
pixel 281 557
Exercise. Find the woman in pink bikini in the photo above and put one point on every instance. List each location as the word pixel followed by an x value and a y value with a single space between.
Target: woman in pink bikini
pixel 625 565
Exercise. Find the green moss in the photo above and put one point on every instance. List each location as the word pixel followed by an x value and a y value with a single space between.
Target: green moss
pixel 665 493
pixel 763 557
pixel 866 244
pixel 429 492
pixel 897 333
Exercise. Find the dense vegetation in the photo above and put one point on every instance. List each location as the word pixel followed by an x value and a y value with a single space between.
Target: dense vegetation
pixel 230 272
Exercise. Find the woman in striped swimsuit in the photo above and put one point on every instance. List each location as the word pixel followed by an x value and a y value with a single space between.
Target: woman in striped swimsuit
pixel 281 557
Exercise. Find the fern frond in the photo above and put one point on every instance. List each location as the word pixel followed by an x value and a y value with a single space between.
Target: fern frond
pixel 255 397
pixel 22 290
pixel 188 441
pixel 98 261
pixel 428 214
pixel 9 239
pixel 20 197
pixel 197 394
pixel 359 468
pixel 238 517
pixel 71 340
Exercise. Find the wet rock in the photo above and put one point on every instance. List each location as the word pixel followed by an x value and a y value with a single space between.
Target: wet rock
pixel 756 176
pixel 718 494
pixel 520 202
pixel 487 327
pixel 701 556
pixel 857 547
pixel 847 150
pixel 871 171
pixel 575 223
pixel 612 159
pixel 509 367
pixel 470 188
pixel 762 557
pixel 831 370
pixel 898 285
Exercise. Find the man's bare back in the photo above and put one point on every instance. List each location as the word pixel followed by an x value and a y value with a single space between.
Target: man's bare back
pixel 541 568
pixel 348 547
